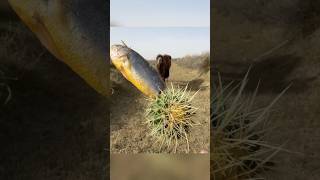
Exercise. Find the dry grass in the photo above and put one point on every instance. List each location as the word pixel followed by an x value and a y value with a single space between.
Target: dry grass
pixel 194 61
pixel 15 46
pixel 5 93
pixel 239 130
pixel 8 36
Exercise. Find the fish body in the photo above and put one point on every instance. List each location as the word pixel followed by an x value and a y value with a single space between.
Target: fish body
pixel 137 70
pixel 75 32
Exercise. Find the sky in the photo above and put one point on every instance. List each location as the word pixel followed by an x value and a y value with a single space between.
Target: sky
pixel 151 27
pixel 151 41
pixel 150 13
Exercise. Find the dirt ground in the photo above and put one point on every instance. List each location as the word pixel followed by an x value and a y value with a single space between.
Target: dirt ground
pixel 129 133
pixel 160 166
pixel 54 124
pixel 281 41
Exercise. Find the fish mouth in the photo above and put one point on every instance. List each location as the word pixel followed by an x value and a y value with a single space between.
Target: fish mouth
pixel 117 51
pixel 136 70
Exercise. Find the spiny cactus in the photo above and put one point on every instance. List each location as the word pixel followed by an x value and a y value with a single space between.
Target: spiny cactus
pixel 169 117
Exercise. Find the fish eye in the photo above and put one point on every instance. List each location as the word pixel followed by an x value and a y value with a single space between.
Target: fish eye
pixel 126 62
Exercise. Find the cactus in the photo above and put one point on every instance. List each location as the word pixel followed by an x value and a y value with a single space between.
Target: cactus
pixel 169 117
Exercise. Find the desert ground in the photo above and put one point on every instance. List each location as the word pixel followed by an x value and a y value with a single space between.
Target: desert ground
pixel 128 131
pixel 52 124
pixel 280 40
pixel 160 166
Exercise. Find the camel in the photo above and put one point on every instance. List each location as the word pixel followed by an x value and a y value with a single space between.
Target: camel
pixel 163 65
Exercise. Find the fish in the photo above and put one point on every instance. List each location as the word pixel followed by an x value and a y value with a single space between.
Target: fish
pixel 75 32
pixel 137 70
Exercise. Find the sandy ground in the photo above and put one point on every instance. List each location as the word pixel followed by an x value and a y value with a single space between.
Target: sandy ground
pixel 129 133
pixel 160 166
pixel 238 42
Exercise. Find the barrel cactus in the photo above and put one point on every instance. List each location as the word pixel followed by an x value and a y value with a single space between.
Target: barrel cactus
pixel 169 116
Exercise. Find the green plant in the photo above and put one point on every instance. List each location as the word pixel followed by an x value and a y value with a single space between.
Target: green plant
pixel 238 146
pixel 169 116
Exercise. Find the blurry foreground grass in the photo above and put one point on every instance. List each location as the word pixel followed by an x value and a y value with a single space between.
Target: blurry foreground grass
pixel 239 149
pixel 5 92
pixel 16 45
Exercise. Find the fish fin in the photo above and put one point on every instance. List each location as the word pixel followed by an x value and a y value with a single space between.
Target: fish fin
pixel 124 43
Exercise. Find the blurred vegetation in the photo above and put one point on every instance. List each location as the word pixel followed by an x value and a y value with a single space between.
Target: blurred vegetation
pixel 239 148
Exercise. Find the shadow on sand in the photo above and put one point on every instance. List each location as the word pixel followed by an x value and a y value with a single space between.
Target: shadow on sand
pixel 193 85
pixel 53 127
pixel 273 74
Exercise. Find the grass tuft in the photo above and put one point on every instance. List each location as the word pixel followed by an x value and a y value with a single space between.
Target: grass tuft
pixel 239 149
pixel 169 117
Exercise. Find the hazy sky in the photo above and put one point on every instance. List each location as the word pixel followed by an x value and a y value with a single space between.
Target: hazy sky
pixel 176 41
pixel 148 13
